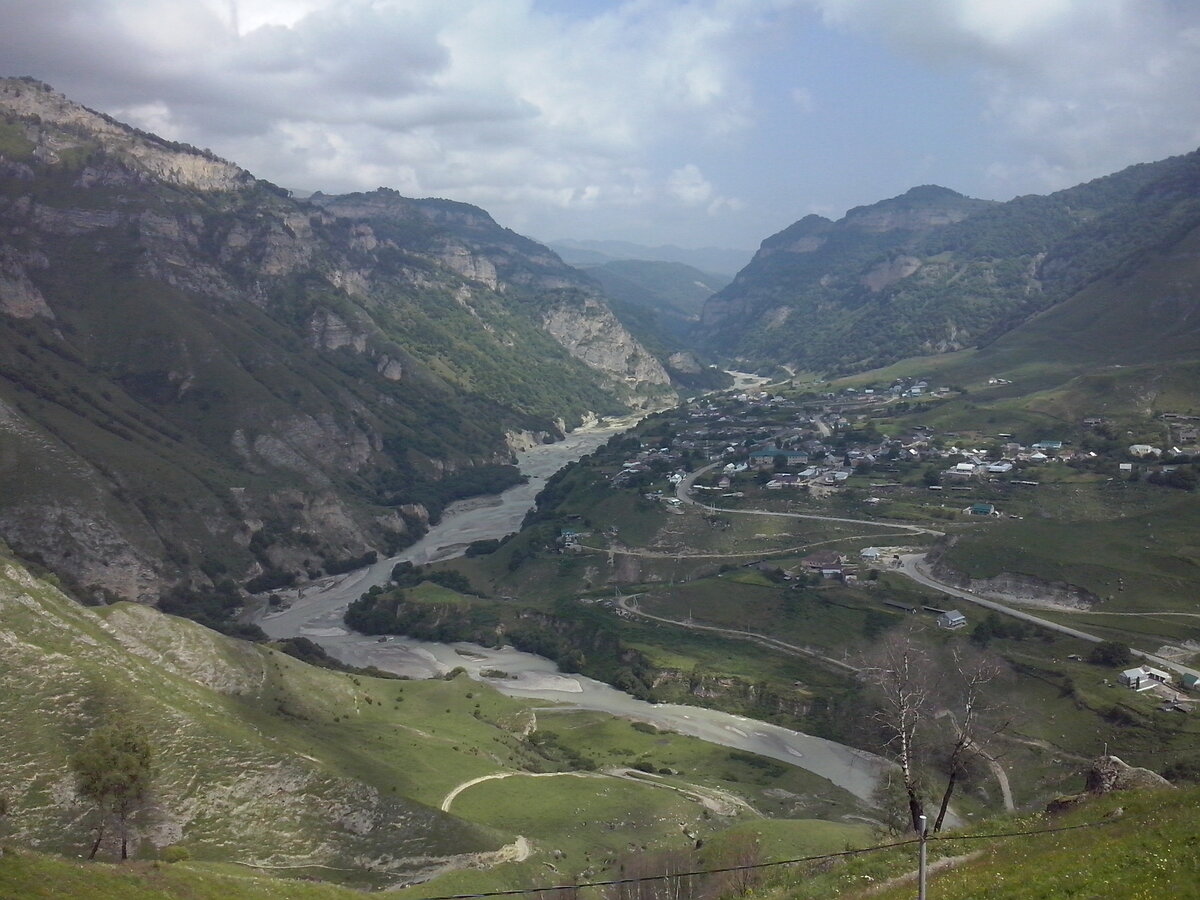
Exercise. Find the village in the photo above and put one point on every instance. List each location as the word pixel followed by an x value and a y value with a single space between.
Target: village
pixel 845 453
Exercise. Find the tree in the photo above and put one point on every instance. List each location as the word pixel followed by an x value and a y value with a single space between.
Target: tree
pixel 966 707
pixel 113 770
pixel 1110 653
pixel 930 708
pixel 900 673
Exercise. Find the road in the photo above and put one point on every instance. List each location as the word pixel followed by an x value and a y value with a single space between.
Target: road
pixel 911 564
pixel 629 605
pixel 683 491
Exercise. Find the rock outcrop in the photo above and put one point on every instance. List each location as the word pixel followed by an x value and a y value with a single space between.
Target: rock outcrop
pixel 206 379
pixel 1106 775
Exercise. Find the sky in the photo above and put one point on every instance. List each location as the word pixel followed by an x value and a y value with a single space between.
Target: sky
pixel 687 122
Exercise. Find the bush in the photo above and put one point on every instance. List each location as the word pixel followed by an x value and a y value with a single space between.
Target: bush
pixel 175 853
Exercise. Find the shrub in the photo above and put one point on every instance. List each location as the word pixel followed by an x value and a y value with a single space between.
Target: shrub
pixel 175 853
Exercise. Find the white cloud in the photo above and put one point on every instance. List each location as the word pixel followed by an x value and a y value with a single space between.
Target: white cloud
pixel 490 99
pixel 1083 86
pixel 688 185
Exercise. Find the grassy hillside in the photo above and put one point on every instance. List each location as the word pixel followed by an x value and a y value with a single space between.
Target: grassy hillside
pixel 280 768
pixel 1128 845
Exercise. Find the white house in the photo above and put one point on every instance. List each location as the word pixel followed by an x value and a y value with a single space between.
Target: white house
pixel 1143 677
pixel 952 619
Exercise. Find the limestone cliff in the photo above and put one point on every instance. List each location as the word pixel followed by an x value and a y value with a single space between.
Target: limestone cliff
pixel 207 381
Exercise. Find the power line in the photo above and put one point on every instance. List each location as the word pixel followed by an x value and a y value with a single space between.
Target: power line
pixel 767 865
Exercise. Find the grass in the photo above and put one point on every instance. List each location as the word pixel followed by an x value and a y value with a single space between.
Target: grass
pixel 262 759
pixel 1147 560
pixel 27 875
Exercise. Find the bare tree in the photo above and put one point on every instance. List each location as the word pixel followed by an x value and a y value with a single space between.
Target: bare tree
pixel 915 690
pixel 968 708
pixel 665 875
pixel 900 671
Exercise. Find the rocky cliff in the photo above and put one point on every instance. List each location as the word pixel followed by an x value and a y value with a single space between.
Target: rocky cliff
pixel 208 381
pixel 933 271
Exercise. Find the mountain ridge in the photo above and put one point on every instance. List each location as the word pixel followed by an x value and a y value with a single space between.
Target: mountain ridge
pixel 931 271
pixel 208 381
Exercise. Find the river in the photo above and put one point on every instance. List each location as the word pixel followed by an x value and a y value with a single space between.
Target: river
pixel 315 611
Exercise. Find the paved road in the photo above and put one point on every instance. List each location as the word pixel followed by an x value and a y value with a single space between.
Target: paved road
pixel 912 565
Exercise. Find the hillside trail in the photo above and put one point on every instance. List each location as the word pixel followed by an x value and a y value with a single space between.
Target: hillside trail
pixel 629 605
pixel 721 803
pixel 946 862
pixel 496 776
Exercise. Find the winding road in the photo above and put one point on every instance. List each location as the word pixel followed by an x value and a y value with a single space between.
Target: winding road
pixel 911 566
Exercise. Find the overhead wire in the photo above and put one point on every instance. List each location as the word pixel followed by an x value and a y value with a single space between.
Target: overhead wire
pixel 940 838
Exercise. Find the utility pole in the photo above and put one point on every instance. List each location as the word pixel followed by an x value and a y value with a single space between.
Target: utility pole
pixel 921 861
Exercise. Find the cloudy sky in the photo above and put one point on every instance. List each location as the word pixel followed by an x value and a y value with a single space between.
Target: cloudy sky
pixel 695 122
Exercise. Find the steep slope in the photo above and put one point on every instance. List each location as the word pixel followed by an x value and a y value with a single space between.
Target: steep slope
pixel 662 301
pixel 931 271
pixel 1127 344
pixel 206 379
pixel 258 758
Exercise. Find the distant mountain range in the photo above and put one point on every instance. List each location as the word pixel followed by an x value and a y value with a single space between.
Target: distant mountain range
pixel 933 271
pixel 207 382
pixel 714 260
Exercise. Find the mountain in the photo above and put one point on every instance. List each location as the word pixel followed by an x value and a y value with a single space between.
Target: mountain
pixel 932 271
pixel 660 303
pixel 207 381
pixel 706 259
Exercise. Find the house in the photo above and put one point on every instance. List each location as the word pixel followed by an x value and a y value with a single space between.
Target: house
pixel 823 560
pixel 1047 445
pixel 980 509
pixel 1140 450
pixel 1000 468
pixel 952 618
pixel 765 459
pixel 1143 677
pixel 871 554
pixel 1190 682
pixel 782 481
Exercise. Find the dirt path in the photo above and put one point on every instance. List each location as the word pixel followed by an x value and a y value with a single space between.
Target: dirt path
pixel 946 862
pixel 629 605
pixel 449 798
pixel 716 801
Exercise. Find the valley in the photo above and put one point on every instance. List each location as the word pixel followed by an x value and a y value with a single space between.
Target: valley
pixel 418 559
